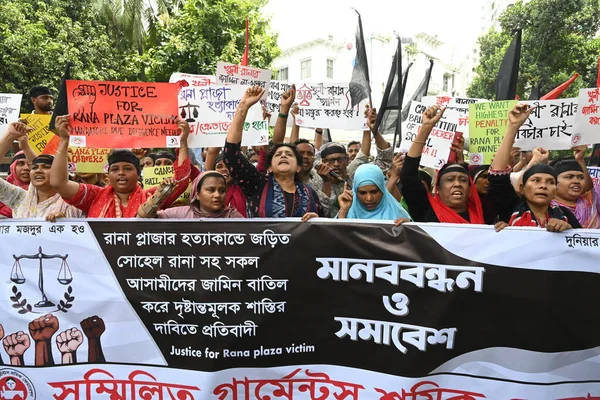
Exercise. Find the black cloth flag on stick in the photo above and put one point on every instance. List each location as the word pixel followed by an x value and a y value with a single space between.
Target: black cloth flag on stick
pixel 419 93
pixel 391 104
pixel 508 75
pixel 360 88
pixel 61 107
pixel 535 92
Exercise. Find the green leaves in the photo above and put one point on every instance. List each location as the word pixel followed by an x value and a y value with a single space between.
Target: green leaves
pixel 558 40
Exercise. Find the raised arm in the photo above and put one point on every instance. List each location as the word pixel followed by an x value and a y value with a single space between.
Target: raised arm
pixel 431 117
pixel 184 129
pixel 318 138
pixel 59 174
pixel 516 117
pixel 251 97
pixel 15 131
pixel 287 99
pixel 295 135
pixel 211 155
pixel 579 154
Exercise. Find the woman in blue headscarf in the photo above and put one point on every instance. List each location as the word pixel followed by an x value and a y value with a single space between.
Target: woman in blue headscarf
pixel 374 200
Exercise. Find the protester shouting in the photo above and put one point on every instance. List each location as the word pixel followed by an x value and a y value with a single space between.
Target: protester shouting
pixel 123 196
pixel 18 175
pixel 40 200
pixel 279 194
pixel 370 199
pixel 538 186
pixel 210 191
pixel 576 191
pixel 455 200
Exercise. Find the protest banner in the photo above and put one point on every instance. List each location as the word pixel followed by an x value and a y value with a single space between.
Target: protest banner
pixel 457 104
pixel 88 160
pixel 437 148
pixel 10 104
pixel 322 105
pixel 249 309
pixel 587 119
pixel 41 135
pixel 550 125
pixel 122 114
pixel 487 125
pixel 153 176
pixel 209 109
pixel 595 175
pixel 233 74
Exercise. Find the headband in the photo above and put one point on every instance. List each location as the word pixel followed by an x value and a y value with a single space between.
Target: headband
pixel 124 156
pixel 19 156
pixel 447 168
pixel 165 154
pixel 538 169
pixel 477 171
pixel 334 148
pixel 567 165
pixel 39 91
pixel 43 159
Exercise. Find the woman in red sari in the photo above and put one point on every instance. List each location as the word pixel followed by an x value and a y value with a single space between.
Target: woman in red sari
pixel 123 196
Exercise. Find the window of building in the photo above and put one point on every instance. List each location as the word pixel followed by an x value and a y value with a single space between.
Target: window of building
pixel 446 82
pixel 329 68
pixel 305 69
pixel 282 74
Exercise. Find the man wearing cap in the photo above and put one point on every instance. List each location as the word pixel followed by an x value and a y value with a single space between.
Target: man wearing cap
pixel 42 100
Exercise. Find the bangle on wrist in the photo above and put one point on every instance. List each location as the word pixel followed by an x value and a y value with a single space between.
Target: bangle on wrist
pixel 280 115
pixel 61 152
pixel 418 141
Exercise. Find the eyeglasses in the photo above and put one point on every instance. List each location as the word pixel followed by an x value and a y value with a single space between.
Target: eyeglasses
pixel 330 161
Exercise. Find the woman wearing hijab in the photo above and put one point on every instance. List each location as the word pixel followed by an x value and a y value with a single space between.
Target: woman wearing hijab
pixel 39 200
pixel 209 201
pixel 374 200
pixel 18 176
pixel 123 196
pixel 279 194
pixel 576 191
pixel 455 201
pixel 235 196
pixel 538 187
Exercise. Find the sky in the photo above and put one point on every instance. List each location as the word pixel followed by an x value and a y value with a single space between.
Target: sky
pixel 299 22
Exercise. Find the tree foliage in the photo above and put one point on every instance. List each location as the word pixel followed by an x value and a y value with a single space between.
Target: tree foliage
pixel 558 40
pixel 206 31
pixel 126 39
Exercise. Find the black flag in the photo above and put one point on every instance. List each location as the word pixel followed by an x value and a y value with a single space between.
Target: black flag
pixel 327 136
pixel 419 93
pixel 360 88
pixel 61 102
pixel 535 92
pixel 387 118
pixel 506 84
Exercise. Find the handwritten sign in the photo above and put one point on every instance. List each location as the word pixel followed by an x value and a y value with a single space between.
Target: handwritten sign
pixel 587 119
pixel 153 176
pixel 487 125
pixel 41 135
pixel 9 110
pixel 595 175
pixel 88 160
pixel 232 74
pixel 322 105
pixel 123 114
pixel 550 125
pixel 458 104
pixel 209 109
pixel 437 149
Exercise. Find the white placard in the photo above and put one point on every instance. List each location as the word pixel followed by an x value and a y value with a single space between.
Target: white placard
pixel 587 119
pixel 209 109
pixel 232 74
pixel 10 105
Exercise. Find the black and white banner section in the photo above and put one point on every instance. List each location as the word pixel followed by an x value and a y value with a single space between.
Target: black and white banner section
pixel 287 310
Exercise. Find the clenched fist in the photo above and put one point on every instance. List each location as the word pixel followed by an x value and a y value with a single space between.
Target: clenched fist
pixel 16 345
pixel 68 342
pixel 93 327
pixel 43 328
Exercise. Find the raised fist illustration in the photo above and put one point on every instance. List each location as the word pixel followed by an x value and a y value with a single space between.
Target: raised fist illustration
pixel 1 331
pixel 85 97
pixel 68 342
pixel 93 327
pixel 41 330
pixel 16 345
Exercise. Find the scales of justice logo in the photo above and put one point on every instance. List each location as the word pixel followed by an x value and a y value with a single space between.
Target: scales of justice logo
pixel 65 277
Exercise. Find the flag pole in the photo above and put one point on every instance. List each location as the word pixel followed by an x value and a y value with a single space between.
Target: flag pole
pixel 398 132
pixel 364 55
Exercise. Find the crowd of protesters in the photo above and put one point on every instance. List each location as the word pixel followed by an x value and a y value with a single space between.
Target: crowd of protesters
pixel 305 180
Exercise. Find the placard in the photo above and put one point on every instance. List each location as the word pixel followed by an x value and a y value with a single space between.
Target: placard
pixel 233 74
pixel 487 126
